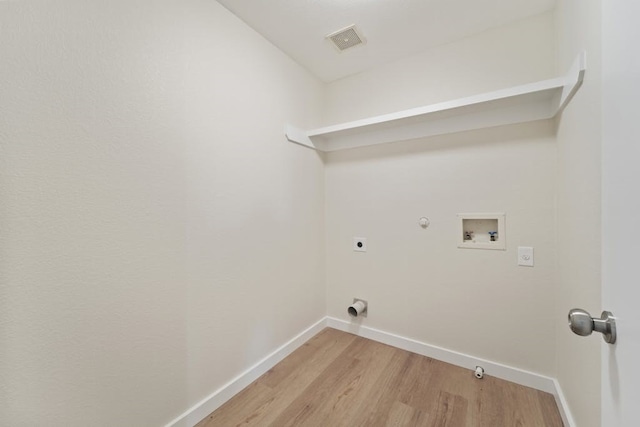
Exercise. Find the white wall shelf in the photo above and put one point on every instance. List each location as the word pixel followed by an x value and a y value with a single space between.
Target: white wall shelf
pixel 520 104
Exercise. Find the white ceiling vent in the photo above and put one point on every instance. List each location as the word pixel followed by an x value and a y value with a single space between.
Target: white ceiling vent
pixel 346 38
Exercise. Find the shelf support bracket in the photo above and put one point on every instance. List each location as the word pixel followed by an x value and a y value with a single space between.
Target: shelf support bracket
pixel 575 76
pixel 525 103
pixel 299 136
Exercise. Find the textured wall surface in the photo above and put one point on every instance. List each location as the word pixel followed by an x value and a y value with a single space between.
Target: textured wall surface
pixel 515 54
pixel 158 236
pixel 579 212
pixel 417 282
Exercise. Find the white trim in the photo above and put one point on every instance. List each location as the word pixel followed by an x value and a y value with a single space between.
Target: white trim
pixel 212 402
pixel 574 80
pixel 563 406
pixel 500 244
pixel 526 103
pixel 298 136
pixel 498 370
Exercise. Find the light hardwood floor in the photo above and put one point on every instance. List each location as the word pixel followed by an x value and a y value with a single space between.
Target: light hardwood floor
pixel 338 379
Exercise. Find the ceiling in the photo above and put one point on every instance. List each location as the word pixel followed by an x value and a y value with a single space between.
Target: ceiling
pixel 393 28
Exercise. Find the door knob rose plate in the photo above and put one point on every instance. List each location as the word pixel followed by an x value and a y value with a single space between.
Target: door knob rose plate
pixel 581 323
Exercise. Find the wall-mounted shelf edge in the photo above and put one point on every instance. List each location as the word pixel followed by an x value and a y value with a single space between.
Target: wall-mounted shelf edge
pixel 520 104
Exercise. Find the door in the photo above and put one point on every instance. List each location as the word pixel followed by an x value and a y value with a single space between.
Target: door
pixel 621 210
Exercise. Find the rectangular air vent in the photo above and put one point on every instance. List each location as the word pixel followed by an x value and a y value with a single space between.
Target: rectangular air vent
pixel 346 38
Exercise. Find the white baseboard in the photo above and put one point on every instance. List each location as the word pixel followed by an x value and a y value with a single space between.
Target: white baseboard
pixel 563 406
pixel 498 370
pixel 212 402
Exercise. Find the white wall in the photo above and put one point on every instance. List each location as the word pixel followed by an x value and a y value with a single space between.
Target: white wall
pixel 620 374
pixel 417 282
pixel 255 223
pixel 156 228
pixel 579 213
pixel 519 53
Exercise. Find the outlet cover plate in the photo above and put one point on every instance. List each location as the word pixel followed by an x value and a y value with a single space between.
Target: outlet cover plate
pixel 525 256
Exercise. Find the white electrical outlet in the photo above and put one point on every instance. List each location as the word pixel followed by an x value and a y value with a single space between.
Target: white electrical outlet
pixel 360 244
pixel 525 256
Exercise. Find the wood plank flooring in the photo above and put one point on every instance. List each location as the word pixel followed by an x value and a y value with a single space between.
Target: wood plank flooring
pixel 338 379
